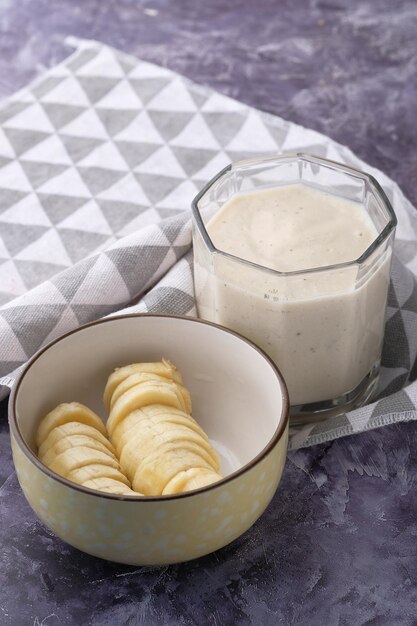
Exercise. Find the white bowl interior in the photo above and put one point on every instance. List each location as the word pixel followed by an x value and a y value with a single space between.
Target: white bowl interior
pixel 236 394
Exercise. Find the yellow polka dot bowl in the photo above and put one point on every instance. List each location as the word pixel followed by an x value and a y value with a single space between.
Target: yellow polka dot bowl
pixel 239 398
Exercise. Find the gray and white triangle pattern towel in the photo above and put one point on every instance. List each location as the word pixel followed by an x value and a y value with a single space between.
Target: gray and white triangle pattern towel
pixel 99 161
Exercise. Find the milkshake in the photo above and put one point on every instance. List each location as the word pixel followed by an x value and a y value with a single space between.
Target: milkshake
pixel 295 269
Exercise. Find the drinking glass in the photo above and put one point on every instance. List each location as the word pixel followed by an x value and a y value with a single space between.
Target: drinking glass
pixel 322 326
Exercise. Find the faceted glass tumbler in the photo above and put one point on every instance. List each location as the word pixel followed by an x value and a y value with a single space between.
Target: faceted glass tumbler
pixel 323 326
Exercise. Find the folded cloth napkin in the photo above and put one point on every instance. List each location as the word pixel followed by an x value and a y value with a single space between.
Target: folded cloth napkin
pixel 99 161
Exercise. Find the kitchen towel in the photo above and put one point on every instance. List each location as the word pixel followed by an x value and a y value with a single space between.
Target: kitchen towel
pixel 99 161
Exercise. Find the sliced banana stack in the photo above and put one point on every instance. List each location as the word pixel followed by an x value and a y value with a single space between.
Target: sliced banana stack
pixel 160 446
pixel 72 441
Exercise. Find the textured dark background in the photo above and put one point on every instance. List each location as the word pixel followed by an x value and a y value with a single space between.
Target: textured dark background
pixel 337 546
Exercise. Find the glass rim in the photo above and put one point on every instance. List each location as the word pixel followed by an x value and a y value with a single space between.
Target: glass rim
pixel 377 190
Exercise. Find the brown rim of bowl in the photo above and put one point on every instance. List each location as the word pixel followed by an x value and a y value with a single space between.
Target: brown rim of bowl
pixel 14 427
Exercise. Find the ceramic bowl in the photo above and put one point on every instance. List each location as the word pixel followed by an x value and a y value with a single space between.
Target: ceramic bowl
pixel 239 398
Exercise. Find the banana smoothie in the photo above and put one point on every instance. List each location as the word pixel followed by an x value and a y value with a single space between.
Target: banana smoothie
pixel 323 326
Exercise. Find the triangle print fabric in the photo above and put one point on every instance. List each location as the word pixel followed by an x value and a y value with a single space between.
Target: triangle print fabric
pixel 99 161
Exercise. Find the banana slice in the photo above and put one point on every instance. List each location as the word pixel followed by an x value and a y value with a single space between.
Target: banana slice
pixel 70 429
pixel 133 422
pixel 141 395
pixel 146 440
pixel 132 380
pixel 73 441
pixel 136 379
pixel 163 368
pixel 110 486
pixel 133 455
pixel 74 458
pixel 161 447
pixel 157 413
pixel 154 473
pixel 96 471
pixel 157 441
pixel 140 418
pixel 194 478
pixel 68 412
pixel 73 444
